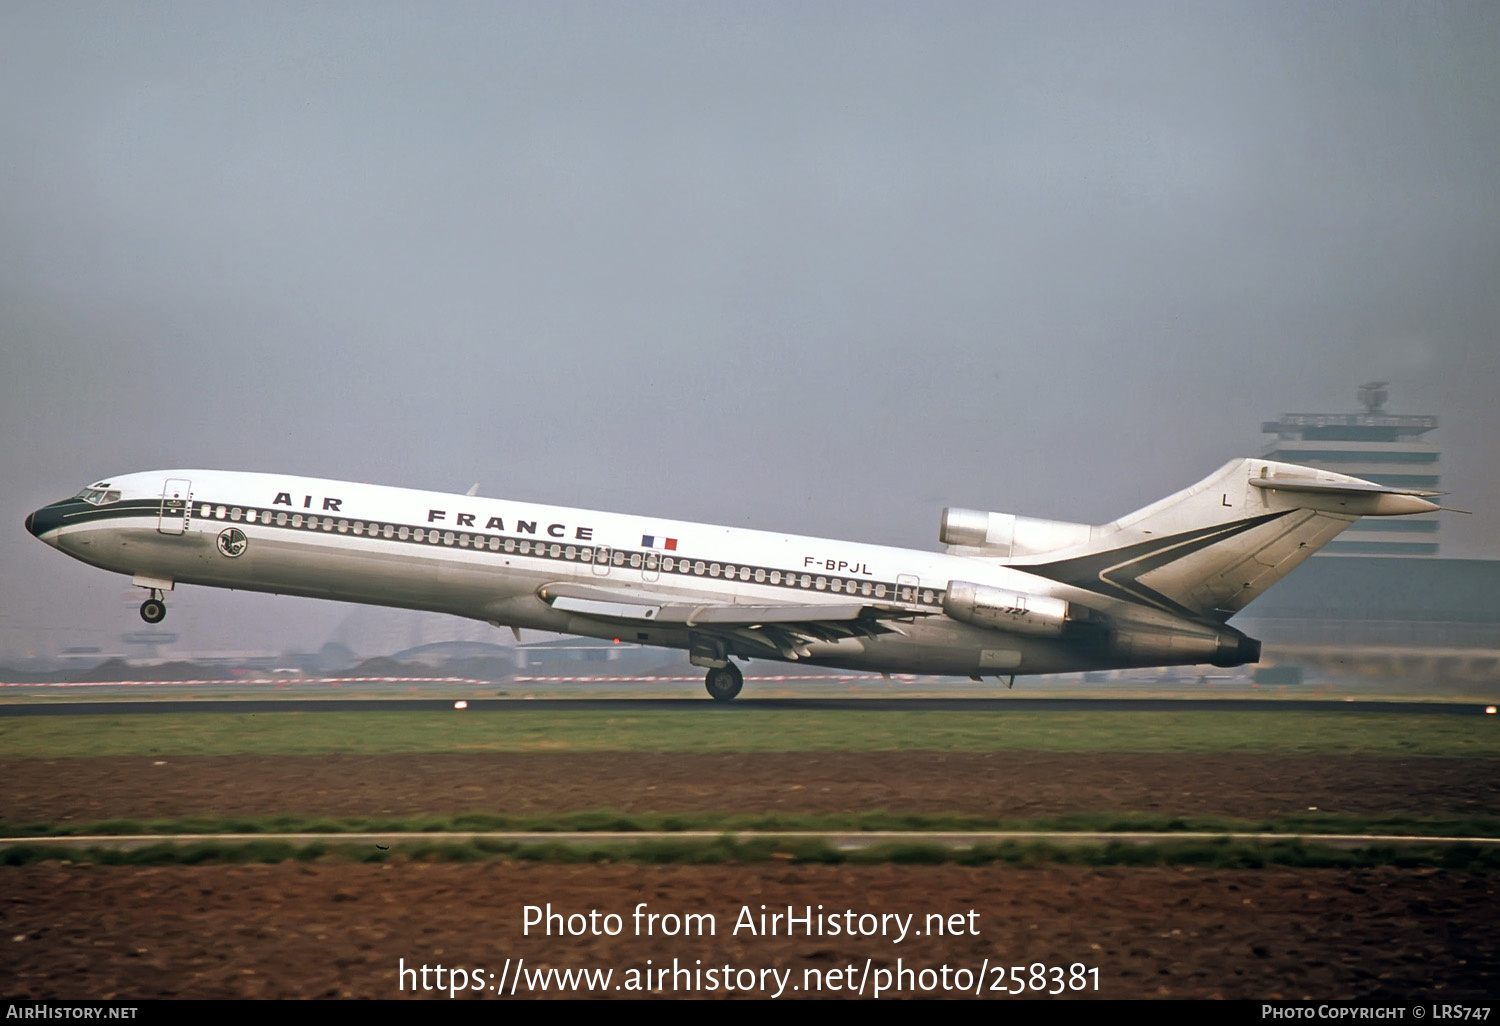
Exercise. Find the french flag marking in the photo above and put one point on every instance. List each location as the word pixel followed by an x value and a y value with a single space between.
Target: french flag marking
pixel 656 541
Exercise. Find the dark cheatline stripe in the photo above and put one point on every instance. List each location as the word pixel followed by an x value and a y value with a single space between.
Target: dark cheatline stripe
pixel 506 545
pixel 1104 574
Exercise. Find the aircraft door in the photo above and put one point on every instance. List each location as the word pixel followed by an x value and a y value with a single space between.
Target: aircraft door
pixel 602 554
pixel 651 566
pixel 176 506
pixel 907 588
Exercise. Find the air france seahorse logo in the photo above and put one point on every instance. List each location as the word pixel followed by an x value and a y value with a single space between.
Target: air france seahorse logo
pixel 232 542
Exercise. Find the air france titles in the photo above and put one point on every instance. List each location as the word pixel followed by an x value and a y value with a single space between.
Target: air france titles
pixel 285 499
pixel 437 516
pixel 440 516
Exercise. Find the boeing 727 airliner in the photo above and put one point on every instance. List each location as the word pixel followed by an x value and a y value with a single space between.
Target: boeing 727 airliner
pixel 1010 595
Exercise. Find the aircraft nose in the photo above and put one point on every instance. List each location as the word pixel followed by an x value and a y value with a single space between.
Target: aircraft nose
pixel 43 520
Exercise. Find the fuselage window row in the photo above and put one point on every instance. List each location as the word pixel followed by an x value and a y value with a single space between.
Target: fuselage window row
pixel 649 561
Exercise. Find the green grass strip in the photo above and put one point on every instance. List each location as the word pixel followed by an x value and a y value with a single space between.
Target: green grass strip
pixel 710 728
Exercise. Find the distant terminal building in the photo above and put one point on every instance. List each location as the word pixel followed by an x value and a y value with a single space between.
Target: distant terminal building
pixel 1382 447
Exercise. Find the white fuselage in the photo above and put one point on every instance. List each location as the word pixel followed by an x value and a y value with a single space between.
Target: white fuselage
pixel 491 559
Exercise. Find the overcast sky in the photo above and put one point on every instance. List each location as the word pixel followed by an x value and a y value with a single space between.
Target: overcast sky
pixel 819 268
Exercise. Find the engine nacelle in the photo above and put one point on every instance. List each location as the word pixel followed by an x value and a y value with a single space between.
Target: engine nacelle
pixel 986 606
pixel 1005 534
pixel 1222 647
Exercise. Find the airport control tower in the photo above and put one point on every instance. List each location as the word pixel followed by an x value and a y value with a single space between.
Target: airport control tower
pixel 1382 447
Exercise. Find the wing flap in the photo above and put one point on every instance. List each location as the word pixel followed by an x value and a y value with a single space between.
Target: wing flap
pixel 786 629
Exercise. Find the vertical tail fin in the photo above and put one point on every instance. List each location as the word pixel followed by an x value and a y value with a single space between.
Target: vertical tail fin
pixel 1211 549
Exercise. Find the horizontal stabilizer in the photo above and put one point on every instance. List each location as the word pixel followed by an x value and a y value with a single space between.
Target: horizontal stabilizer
pixel 1357 498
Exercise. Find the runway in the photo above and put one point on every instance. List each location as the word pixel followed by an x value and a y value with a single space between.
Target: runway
pixel 709 707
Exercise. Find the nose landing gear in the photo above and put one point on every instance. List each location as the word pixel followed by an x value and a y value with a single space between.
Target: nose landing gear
pixel 724 682
pixel 154 610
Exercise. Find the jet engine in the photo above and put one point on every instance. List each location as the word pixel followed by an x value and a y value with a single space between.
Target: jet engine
pixel 1005 534
pixel 986 606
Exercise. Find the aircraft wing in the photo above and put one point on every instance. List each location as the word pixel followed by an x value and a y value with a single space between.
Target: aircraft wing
pixel 785 629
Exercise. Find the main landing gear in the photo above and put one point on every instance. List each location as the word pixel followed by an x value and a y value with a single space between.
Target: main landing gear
pixel 154 610
pixel 724 682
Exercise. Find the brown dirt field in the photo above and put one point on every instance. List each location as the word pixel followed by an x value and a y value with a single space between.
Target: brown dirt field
pixel 996 784
pixel 335 929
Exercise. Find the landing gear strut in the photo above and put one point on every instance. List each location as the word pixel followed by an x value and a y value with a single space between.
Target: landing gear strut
pixel 154 610
pixel 724 682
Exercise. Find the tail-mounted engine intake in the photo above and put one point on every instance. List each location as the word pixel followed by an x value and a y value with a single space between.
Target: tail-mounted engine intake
pixel 1005 534
pixel 984 606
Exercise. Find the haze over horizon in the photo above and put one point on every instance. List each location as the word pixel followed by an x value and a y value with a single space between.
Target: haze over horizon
pixel 822 269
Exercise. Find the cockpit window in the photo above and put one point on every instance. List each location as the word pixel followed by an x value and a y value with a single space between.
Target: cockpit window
pixel 99 496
